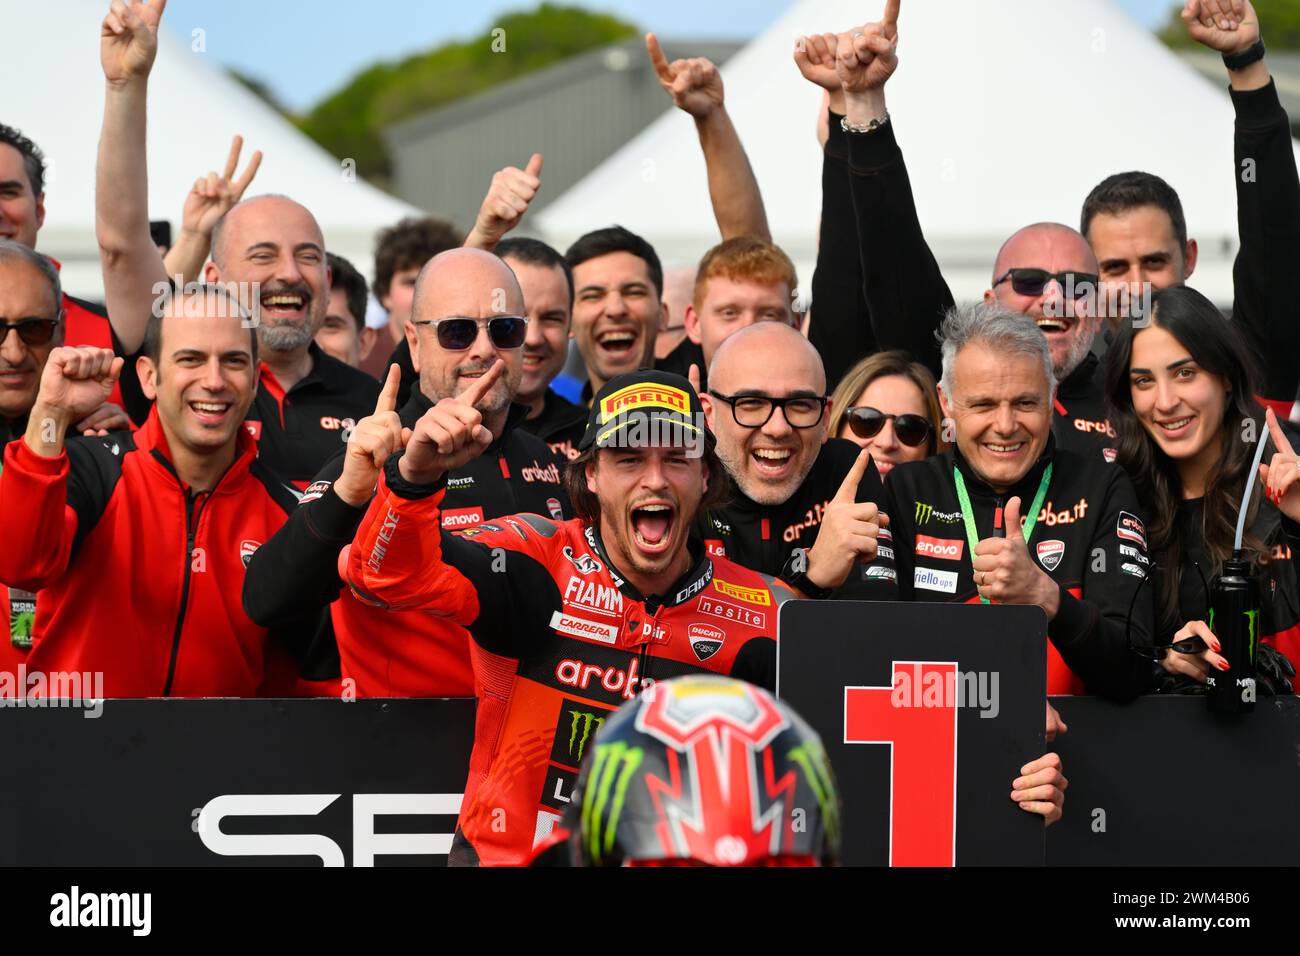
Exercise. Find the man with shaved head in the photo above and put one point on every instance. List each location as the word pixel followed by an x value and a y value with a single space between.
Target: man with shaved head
pixel 805 506
pixel 268 249
pixel 466 316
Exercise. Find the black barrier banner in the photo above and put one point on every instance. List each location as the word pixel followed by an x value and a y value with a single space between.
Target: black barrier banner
pixel 1164 782
pixel 928 712
pixel 233 782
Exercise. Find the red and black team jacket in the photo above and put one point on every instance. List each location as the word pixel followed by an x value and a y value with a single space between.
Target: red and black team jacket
pixel 560 641
pixel 1090 539
pixel 139 577
pixel 763 537
pixel 396 655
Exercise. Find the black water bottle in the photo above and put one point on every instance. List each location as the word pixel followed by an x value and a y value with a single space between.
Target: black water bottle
pixel 1234 619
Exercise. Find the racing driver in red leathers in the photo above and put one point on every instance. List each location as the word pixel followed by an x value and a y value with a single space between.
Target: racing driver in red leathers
pixel 569 619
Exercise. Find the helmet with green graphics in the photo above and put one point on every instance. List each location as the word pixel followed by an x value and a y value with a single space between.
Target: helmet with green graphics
pixel 707 771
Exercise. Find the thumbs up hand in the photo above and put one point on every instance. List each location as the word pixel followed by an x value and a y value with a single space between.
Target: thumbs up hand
pixel 848 531
pixel 1006 574
pixel 508 198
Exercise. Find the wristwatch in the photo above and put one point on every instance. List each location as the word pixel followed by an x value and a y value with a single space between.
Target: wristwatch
pixel 798 579
pixel 872 126
pixel 1239 61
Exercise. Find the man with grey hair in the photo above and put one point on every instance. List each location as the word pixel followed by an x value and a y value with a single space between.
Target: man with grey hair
pixel 269 248
pixel 1007 516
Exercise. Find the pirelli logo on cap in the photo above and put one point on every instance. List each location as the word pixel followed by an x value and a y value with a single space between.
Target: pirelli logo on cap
pixel 644 396
pixel 750 595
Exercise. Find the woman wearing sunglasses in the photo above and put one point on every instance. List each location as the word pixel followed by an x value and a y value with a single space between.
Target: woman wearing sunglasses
pixel 1182 394
pixel 888 404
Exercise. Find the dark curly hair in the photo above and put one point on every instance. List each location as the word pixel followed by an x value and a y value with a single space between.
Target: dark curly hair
pixel 409 245
pixel 33 158
pixel 587 506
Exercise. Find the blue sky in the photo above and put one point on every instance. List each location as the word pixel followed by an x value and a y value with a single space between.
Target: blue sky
pixel 304 49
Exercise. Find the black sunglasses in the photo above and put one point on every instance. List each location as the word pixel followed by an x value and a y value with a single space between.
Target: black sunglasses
pixel 1034 281
pixel 33 332
pixel 456 334
pixel 866 422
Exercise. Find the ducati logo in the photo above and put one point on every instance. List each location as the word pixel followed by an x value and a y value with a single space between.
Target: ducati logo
pixel 1050 553
pixel 706 640
pixel 246 549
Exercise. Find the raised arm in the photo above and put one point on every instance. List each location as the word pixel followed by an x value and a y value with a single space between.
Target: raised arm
pixel 906 294
pixel 1268 198
pixel 696 88
pixel 511 192
pixel 840 329
pixel 40 503
pixel 205 204
pixel 133 269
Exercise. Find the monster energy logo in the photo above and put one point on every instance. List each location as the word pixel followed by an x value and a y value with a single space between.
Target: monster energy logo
pixel 925 512
pixel 587 722
pixel 612 770
pixel 1252 628
pixel 812 759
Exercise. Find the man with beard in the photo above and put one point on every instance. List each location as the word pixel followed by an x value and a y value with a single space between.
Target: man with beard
pixel 466 315
pixel 806 506
pixel 269 247
pixel 1046 271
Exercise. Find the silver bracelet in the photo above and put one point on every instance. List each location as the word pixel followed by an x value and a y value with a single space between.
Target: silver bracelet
pixel 870 127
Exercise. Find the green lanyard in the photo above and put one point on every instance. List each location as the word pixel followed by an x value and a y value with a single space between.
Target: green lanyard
pixel 1031 519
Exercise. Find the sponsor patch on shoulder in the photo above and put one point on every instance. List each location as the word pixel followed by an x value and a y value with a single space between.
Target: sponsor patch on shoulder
pixel 1129 527
pixel 314 491
pixel 1110 454
pixel 1135 570
pixel 877 572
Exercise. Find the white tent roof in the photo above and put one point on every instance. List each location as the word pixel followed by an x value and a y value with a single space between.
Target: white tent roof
pixel 55 95
pixel 1008 112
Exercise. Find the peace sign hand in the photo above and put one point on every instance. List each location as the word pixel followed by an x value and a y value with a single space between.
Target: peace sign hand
pixel 213 196
pixel 128 39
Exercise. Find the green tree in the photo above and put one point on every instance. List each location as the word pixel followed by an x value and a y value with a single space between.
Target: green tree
pixel 349 123
pixel 1279 22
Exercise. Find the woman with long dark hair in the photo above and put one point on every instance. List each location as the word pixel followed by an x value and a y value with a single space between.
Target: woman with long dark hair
pixel 1182 396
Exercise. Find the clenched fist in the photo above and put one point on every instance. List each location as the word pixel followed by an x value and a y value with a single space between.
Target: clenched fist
pixel 866 57
pixel 75 383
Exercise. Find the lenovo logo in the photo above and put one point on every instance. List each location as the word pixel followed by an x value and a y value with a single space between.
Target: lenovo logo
pixel 946 549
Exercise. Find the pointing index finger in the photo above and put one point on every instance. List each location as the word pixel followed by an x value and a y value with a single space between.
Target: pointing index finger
pixel 474 394
pixel 848 492
pixel 890 17
pixel 1279 437
pixel 388 394
pixel 657 58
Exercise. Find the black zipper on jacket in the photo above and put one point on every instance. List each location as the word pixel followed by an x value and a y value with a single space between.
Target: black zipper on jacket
pixel 192 515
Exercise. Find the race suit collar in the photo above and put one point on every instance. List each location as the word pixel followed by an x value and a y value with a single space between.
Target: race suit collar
pixel 1025 487
pixel 683 589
